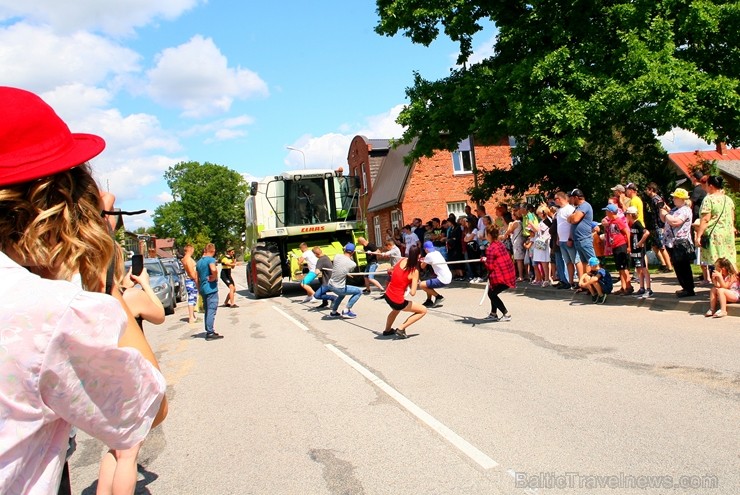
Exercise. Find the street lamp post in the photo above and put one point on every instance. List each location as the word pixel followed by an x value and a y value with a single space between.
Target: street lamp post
pixel 299 151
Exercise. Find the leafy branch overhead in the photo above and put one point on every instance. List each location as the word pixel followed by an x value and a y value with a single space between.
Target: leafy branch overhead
pixel 583 85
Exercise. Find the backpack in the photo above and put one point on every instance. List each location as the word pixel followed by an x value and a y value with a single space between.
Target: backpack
pixel 607 283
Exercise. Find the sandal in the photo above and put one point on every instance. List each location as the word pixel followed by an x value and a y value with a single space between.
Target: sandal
pixel 709 313
pixel 719 314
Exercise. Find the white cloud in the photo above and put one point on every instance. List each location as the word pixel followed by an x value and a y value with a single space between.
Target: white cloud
pixel 164 197
pixel 483 51
pixel 37 59
pixel 330 150
pixel 678 140
pixel 221 130
pixel 116 17
pixel 196 78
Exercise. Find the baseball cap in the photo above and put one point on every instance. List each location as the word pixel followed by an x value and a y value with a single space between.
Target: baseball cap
pixel 576 192
pixel 429 247
pixel 618 187
pixel 632 210
pixel 349 247
pixel 632 186
pixel 593 261
pixel 594 225
pixel 611 207
pixel 35 142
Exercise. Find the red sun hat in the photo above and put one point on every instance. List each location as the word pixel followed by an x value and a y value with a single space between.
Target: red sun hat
pixel 35 142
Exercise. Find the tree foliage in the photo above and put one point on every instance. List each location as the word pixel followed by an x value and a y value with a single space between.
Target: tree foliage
pixel 208 204
pixel 584 85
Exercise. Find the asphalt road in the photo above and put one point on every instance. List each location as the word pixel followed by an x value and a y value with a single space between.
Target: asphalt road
pixel 568 397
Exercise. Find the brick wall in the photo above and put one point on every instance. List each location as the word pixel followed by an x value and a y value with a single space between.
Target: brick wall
pixel 433 183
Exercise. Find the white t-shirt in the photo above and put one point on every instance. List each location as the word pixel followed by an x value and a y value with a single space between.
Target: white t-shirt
pixel 310 259
pixel 441 270
pixel 563 225
pixel 410 240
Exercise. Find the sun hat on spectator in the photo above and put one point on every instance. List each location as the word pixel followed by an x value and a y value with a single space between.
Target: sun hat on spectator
pixel 611 207
pixel 576 192
pixel 632 210
pixel 632 186
pixel 35 142
pixel 618 187
pixel 349 248
pixel 680 193
pixel 593 261
pixel 429 247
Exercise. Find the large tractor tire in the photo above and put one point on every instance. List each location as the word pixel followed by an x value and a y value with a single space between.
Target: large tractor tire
pixel 269 276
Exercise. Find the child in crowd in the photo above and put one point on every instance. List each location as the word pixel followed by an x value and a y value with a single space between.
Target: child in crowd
pixel 725 288
pixel 597 281
pixel 638 254
pixel 617 238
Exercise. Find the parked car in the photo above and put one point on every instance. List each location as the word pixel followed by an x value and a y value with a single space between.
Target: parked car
pixel 175 268
pixel 162 283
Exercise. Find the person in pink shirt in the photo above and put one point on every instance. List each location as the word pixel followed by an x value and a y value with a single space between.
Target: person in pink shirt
pixel 72 356
pixel 617 235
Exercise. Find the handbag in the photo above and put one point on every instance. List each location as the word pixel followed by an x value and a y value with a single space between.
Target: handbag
pixel 704 241
pixel 508 245
pixel 540 244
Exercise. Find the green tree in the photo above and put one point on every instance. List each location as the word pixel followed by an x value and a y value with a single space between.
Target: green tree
pixel 583 85
pixel 208 204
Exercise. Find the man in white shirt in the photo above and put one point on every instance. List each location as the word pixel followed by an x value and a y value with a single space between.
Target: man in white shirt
pixel 443 275
pixel 409 238
pixel 310 259
pixel 567 249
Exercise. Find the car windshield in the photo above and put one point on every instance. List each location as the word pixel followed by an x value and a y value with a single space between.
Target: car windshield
pixel 170 269
pixel 154 269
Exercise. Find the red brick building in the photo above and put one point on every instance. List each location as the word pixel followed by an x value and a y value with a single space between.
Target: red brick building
pixel 395 193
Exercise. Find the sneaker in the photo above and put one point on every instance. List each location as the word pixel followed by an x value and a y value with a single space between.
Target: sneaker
pixel 389 332
pixel 334 314
pixel 437 301
pixel 506 317
pixel 639 293
pixel 214 336
pixel 401 334
pixel 428 303
pixel 492 317
pixel 366 291
pixel 648 293
pixel 307 299
pixel 602 299
pixel 324 304
pixel 348 314
pixel 629 291
pixel 594 298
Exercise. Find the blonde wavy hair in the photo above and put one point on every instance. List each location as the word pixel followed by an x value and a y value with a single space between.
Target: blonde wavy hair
pixel 55 224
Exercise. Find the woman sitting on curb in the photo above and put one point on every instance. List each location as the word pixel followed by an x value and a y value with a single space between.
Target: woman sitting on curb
pixel 725 288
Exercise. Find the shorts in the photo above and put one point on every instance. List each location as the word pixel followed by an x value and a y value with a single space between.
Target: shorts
pixel 372 267
pixel 569 253
pixel 621 258
pixel 310 277
pixel 226 278
pixel 434 283
pixel 658 240
pixel 639 261
pixel 395 305
pixel 192 291
pixel 585 249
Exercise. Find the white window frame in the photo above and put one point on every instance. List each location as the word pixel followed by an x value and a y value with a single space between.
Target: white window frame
pixel 396 219
pixel 456 207
pixel 376 228
pixel 458 162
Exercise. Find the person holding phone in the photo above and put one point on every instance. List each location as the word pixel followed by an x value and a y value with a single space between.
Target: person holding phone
pixel 57 371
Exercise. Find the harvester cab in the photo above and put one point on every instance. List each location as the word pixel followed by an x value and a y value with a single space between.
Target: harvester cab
pixel 318 207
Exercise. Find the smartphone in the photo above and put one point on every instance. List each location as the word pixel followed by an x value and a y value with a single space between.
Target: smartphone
pixel 137 264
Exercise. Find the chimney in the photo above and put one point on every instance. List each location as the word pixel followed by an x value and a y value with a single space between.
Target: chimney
pixel 721 148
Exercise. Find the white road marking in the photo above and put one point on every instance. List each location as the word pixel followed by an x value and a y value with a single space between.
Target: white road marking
pixel 463 445
pixel 293 320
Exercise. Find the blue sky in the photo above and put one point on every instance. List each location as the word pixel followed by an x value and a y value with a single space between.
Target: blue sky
pixel 228 82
